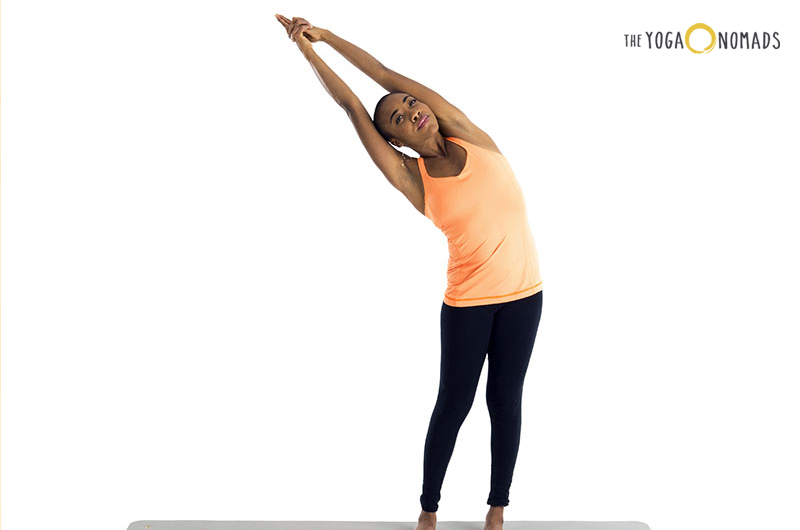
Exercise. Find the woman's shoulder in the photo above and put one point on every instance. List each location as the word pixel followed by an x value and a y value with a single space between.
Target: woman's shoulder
pixel 480 140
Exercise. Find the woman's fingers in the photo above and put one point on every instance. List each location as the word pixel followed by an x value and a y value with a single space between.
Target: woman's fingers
pixel 285 21
pixel 297 20
pixel 297 28
pixel 293 26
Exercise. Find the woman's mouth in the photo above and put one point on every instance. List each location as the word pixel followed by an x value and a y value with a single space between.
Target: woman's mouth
pixel 422 121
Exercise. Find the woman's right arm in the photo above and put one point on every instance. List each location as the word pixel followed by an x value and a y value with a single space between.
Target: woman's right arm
pixel 452 122
pixel 391 162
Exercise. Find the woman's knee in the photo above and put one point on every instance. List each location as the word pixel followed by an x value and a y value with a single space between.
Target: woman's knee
pixel 457 406
pixel 504 406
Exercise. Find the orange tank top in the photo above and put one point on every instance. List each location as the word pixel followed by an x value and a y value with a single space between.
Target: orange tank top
pixel 482 213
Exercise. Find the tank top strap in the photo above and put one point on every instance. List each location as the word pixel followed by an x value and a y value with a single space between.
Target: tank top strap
pixel 421 167
pixel 459 141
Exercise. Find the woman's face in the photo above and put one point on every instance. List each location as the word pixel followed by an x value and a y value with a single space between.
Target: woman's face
pixel 408 119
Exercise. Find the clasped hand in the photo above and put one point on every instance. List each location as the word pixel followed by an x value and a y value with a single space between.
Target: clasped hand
pixel 300 31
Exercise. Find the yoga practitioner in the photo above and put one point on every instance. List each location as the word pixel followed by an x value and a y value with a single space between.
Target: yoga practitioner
pixel 493 301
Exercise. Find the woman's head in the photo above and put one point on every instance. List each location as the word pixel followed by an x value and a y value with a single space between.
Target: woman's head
pixel 403 120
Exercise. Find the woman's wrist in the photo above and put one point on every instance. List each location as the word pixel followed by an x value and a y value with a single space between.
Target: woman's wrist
pixel 324 34
pixel 308 52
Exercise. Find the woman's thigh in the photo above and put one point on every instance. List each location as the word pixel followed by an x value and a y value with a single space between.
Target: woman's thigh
pixel 465 333
pixel 511 343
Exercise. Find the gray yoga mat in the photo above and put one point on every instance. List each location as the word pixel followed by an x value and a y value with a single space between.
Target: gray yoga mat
pixel 366 525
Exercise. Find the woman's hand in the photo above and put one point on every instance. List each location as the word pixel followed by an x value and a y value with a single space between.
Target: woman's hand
pixel 300 25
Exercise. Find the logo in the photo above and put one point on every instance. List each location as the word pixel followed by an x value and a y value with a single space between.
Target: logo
pixel 728 40
pixel 706 27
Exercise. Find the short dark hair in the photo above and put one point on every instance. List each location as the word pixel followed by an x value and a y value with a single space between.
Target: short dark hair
pixel 381 126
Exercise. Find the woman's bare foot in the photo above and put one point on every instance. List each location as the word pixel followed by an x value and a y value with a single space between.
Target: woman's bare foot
pixel 426 521
pixel 494 519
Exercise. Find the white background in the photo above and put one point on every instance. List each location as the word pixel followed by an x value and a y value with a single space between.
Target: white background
pixel 214 306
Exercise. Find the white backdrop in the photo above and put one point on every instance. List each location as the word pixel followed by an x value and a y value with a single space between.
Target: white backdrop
pixel 214 306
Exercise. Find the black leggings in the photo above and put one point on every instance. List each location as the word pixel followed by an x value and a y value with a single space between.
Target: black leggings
pixel 506 331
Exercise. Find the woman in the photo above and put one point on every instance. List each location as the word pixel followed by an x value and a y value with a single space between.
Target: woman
pixel 493 301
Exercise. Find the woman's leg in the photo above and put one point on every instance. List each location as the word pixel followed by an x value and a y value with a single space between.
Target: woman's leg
pixel 465 333
pixel 513 334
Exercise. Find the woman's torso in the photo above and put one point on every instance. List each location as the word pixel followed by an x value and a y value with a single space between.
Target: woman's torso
pixel 481 210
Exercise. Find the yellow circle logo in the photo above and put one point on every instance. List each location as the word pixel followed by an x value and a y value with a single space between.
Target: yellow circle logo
pixel 700 25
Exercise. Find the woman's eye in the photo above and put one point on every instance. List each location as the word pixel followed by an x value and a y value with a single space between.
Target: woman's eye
pixel 398 118
pixel 413 101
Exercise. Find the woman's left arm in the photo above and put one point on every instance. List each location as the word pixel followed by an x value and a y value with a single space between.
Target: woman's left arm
pixel 452 122
pixel 393 81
